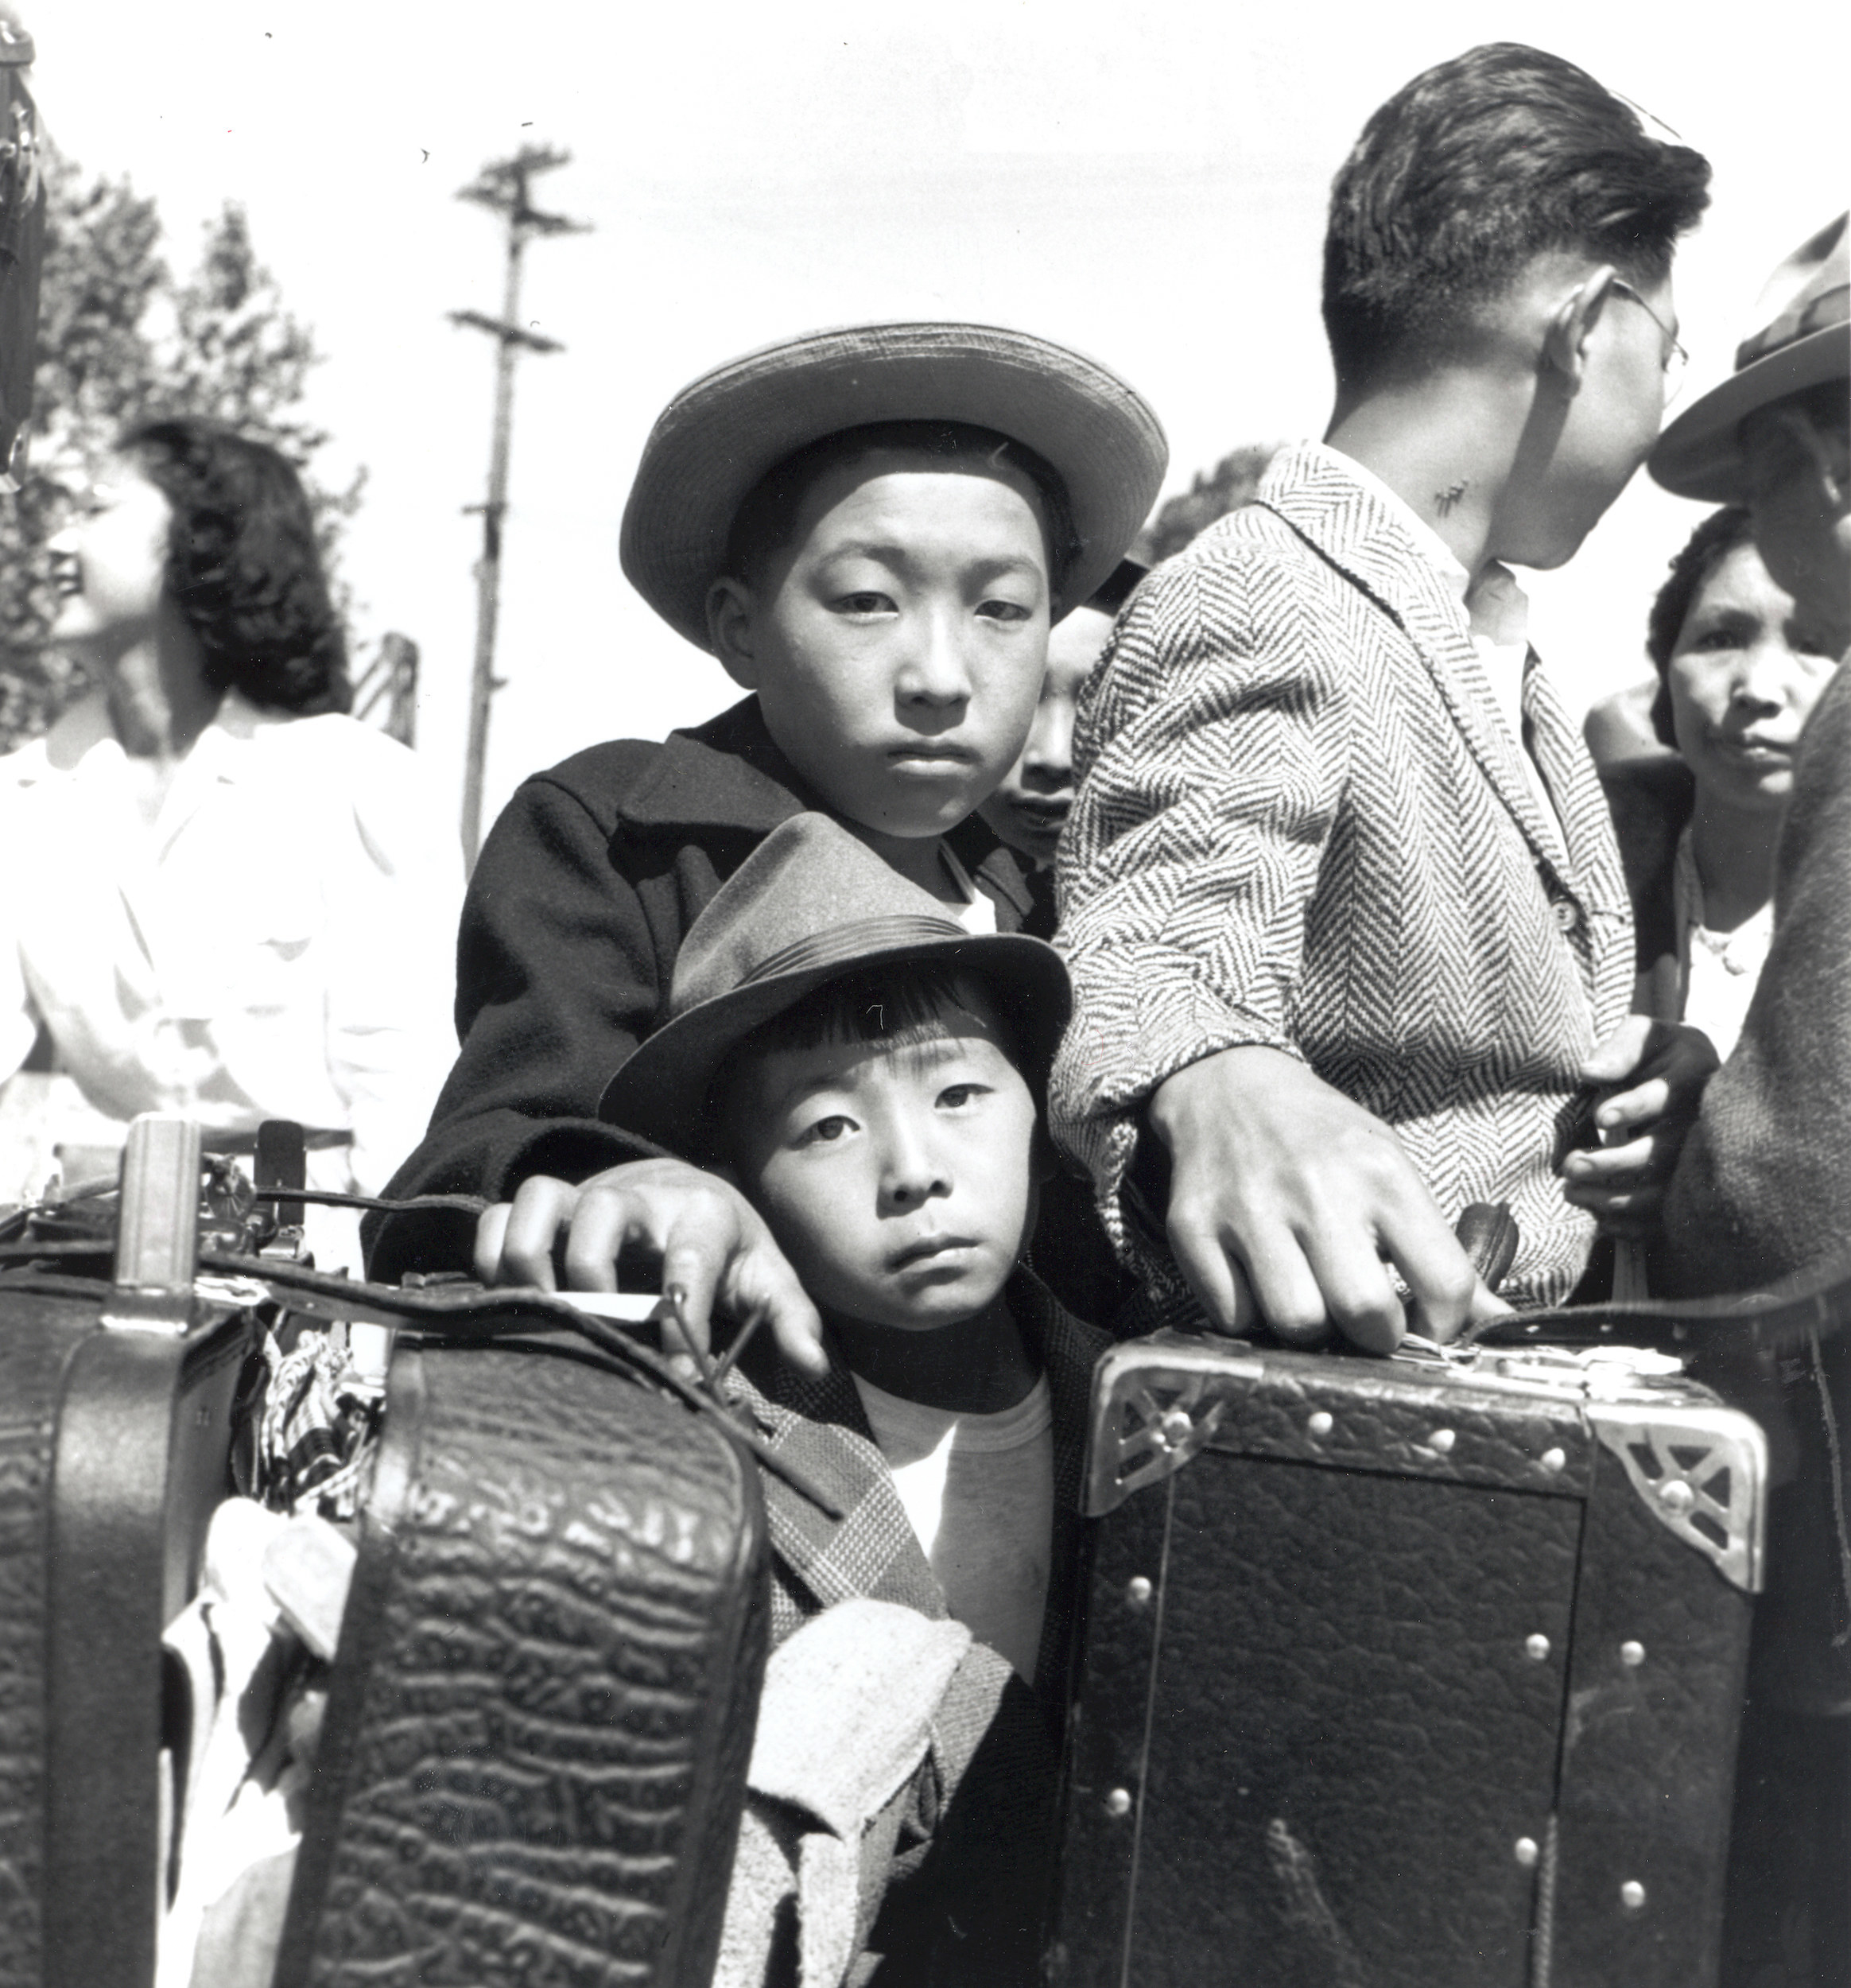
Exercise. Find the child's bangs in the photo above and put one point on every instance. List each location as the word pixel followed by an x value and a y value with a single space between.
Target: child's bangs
pixel 892 1007
pixel 895 1008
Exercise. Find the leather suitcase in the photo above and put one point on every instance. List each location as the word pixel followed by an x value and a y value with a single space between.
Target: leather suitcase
pixel 1414 1673
pixel 541 1707
pixel 114 1449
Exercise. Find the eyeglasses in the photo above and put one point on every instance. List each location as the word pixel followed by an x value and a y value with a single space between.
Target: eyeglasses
pixel 1675 358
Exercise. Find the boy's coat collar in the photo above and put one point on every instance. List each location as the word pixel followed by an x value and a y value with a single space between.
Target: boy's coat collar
pixel 729 773
pixel 726 774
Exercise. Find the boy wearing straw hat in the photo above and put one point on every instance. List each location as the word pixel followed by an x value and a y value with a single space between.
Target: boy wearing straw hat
pixel 869 1073
pixel 871 529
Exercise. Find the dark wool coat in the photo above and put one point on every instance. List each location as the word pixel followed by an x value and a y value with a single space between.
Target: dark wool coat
pixel 1762 1191
pixel 570 929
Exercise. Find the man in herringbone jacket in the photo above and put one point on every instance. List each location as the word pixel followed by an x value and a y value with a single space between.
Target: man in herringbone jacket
pixel 1339 892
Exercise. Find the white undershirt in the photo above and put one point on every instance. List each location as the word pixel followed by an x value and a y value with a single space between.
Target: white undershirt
pixel 976 914
pixel 980 1491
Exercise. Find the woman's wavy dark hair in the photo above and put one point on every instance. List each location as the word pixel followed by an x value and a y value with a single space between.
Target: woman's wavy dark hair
pixel 1708 546
pixel 242 567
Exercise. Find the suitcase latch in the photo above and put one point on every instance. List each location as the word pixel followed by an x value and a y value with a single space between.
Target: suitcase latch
pixel 1702 1473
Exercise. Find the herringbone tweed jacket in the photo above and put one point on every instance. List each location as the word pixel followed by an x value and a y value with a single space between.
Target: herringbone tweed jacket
pixel 1303 822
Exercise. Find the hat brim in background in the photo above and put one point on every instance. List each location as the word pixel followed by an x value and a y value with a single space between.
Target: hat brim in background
pixel 661 1091
pixel 720 436
pixel 1698 456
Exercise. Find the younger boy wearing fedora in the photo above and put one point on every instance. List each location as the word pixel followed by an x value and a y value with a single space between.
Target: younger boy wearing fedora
pixel 871 529
pixel 869 1074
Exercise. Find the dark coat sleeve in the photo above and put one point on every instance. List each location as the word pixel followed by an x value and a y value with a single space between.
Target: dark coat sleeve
pixel 1649 800
pixel 558 976
pixel 1764 1182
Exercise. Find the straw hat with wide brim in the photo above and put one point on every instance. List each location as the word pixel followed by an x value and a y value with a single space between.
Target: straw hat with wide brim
pixel 718 437
pixel 1804 341
pixel 810 904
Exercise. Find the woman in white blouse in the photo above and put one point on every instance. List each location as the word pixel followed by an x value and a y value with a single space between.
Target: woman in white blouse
pixel 220 894
pixel 1738 675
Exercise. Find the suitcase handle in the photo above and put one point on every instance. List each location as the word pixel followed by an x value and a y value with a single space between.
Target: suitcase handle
pixel 1488 1234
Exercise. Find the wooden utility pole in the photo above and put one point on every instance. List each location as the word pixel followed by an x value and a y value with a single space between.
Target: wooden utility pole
pixel 502 186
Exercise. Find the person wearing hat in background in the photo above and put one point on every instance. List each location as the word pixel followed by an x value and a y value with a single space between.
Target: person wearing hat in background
pixel 1349 937
pixel 1763 1188
pixel 870 1074
pixel 872 530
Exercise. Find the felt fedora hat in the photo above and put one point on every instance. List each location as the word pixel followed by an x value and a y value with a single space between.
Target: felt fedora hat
pixel 718 436
pixel 1805 339
pixel 810 904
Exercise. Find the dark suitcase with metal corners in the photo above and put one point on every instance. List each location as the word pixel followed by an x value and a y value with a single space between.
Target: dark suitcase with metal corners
pixel 1406 1673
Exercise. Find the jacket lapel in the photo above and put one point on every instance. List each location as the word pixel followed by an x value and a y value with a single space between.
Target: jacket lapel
pixel 872 1550
pixel 1345 524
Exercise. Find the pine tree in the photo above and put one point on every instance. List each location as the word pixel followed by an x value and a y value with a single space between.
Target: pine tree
pixel 121 340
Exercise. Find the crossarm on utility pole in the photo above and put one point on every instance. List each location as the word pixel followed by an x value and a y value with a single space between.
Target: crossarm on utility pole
pixel 502 186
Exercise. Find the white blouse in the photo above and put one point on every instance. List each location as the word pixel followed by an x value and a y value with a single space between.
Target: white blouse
pixel 1719 969
pixel 280 944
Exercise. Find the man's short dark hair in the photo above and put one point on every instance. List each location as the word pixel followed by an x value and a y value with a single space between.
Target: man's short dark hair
pixel 1461 179
pixel 243 566
pixel 767 517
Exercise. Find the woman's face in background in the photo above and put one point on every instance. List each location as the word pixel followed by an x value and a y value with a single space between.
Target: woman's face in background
pixel 1744 677
pixel 109 564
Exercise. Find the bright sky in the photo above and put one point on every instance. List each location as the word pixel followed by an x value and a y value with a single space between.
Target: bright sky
pixel 1146 182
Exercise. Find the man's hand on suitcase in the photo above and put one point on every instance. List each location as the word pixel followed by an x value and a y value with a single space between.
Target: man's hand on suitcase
pixel 1288 1201
pixel 1649 1078
pixel 713 1246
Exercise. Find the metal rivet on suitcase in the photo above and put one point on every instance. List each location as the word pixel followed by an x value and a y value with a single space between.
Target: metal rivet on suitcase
pixel 1176 1427
pixel 1675 1495
pixel 1119 1802
pixel 1526 1852
pixel 1631 1655
pixel 1321 1424
pixel 1443 1440
pixel 1138 1591
pixel 1633 1894
pixel 1536 1647
pixel 1554 1460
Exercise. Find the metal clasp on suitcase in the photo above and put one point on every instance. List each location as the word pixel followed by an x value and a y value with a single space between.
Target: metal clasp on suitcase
pixel 157 1228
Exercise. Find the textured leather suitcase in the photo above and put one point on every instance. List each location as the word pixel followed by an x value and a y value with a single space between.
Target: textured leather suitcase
pixel 540 1708
pixel 1414 1673
pixel 114 1443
